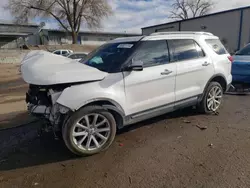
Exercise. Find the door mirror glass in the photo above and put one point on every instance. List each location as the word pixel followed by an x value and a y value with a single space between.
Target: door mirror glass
pixel 136 65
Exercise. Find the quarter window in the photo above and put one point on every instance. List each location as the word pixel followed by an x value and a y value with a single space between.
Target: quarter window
pixel 217 46
pixel 152 53
pixel 57 52
pixel 64 52
pixel 185 49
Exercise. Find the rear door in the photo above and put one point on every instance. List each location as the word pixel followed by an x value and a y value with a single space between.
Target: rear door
pixel 194 68
pixel 154 86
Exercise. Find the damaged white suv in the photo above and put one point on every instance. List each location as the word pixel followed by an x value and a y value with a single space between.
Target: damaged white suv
pixel 125 81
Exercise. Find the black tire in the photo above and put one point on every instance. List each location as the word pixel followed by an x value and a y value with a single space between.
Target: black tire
pixel 73 119
pixel 202 106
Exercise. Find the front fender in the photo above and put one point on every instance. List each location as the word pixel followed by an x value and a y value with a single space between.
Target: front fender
pixel 76 96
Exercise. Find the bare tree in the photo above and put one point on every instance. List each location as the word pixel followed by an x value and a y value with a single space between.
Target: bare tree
pixel 184 9
pixel 70 14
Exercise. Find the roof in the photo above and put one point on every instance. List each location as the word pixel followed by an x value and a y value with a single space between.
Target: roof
pixel 6 22
pixel 126 39
pixel 182 33
pixel 179 35
pixel 14 34
pixel 213 14
pixel 96 33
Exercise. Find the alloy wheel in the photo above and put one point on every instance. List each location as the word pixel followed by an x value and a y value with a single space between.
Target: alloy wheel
pixel 91 132
pixel 214 98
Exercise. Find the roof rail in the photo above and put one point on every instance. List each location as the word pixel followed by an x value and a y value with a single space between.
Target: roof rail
pixel 181 32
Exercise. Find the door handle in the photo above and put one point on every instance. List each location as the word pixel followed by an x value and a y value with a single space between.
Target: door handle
pixel 166 72
pixel 205 63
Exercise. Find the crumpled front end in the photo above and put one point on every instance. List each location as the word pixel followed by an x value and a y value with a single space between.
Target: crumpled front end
pixel 44 68
pixel 41 102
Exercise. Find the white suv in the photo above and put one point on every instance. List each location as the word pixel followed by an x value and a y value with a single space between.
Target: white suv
pixel 125 81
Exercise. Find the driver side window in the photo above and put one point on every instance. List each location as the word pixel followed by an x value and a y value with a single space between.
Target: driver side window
pixel 152 53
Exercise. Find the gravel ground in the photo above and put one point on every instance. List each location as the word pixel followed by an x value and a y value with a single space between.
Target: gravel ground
pixel 182 149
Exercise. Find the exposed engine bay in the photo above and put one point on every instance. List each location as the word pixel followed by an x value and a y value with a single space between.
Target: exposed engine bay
pixel 41 102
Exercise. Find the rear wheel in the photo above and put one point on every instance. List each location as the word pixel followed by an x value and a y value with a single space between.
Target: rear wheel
pixel 212 98
pixel 89 131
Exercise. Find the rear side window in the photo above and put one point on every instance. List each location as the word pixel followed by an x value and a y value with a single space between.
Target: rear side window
pixel 152 53
pixel 184 49
pixel 64 52
pixel 244 51
pixel 57 52
pixel 216 46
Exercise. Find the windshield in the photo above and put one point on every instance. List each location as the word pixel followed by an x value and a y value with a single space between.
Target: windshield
pixel 109 57
pixel 244 51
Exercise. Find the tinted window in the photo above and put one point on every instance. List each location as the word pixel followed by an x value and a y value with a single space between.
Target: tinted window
pixel 64 52
pixel 199 49
pixel 110 56
pixel 217 46
pixel 184 49
pixel 57 52
pixel 152 53
pixel 244 51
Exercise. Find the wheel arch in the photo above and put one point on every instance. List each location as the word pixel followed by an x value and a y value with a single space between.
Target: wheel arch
pixel 220 78
pixel 110 105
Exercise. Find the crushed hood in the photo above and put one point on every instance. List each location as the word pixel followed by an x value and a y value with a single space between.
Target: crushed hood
pixel 45 68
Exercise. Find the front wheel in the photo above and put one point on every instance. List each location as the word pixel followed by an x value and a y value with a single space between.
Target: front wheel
pixel 212 98
pixel 89 131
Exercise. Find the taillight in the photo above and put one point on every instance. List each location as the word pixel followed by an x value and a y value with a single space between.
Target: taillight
pixel 230 58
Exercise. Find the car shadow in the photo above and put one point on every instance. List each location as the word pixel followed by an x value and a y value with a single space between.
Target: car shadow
pixel 29 147
pixel 26 147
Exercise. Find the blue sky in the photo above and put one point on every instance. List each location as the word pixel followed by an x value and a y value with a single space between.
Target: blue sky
pixel 130 15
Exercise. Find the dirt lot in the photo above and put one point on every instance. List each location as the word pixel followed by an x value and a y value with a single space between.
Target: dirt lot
pixel 12 95
pixel 182 149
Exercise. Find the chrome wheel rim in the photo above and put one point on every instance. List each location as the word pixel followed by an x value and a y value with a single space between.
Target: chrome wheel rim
pixel 214 98
pixel 91 132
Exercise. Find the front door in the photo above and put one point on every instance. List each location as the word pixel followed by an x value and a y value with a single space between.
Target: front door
pixel 194 68
pixel 154 86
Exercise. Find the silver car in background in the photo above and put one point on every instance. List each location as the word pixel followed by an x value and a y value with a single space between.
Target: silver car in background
pixel 78 55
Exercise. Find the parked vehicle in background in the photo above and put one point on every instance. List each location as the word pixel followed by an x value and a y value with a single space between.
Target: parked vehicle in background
pixel 78 56
pixel 125 81
pixel 63 52
pixel 241 69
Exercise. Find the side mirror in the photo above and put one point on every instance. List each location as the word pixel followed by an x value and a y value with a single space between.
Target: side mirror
pixel 136 65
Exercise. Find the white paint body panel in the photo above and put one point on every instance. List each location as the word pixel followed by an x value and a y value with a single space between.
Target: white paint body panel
pixel 149 88
pixel 110 88
pixel 192 77
pixel 44 68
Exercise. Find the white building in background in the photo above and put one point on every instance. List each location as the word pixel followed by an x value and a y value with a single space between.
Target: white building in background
pixel 17 35
pixel 232 26
pixel 55 37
